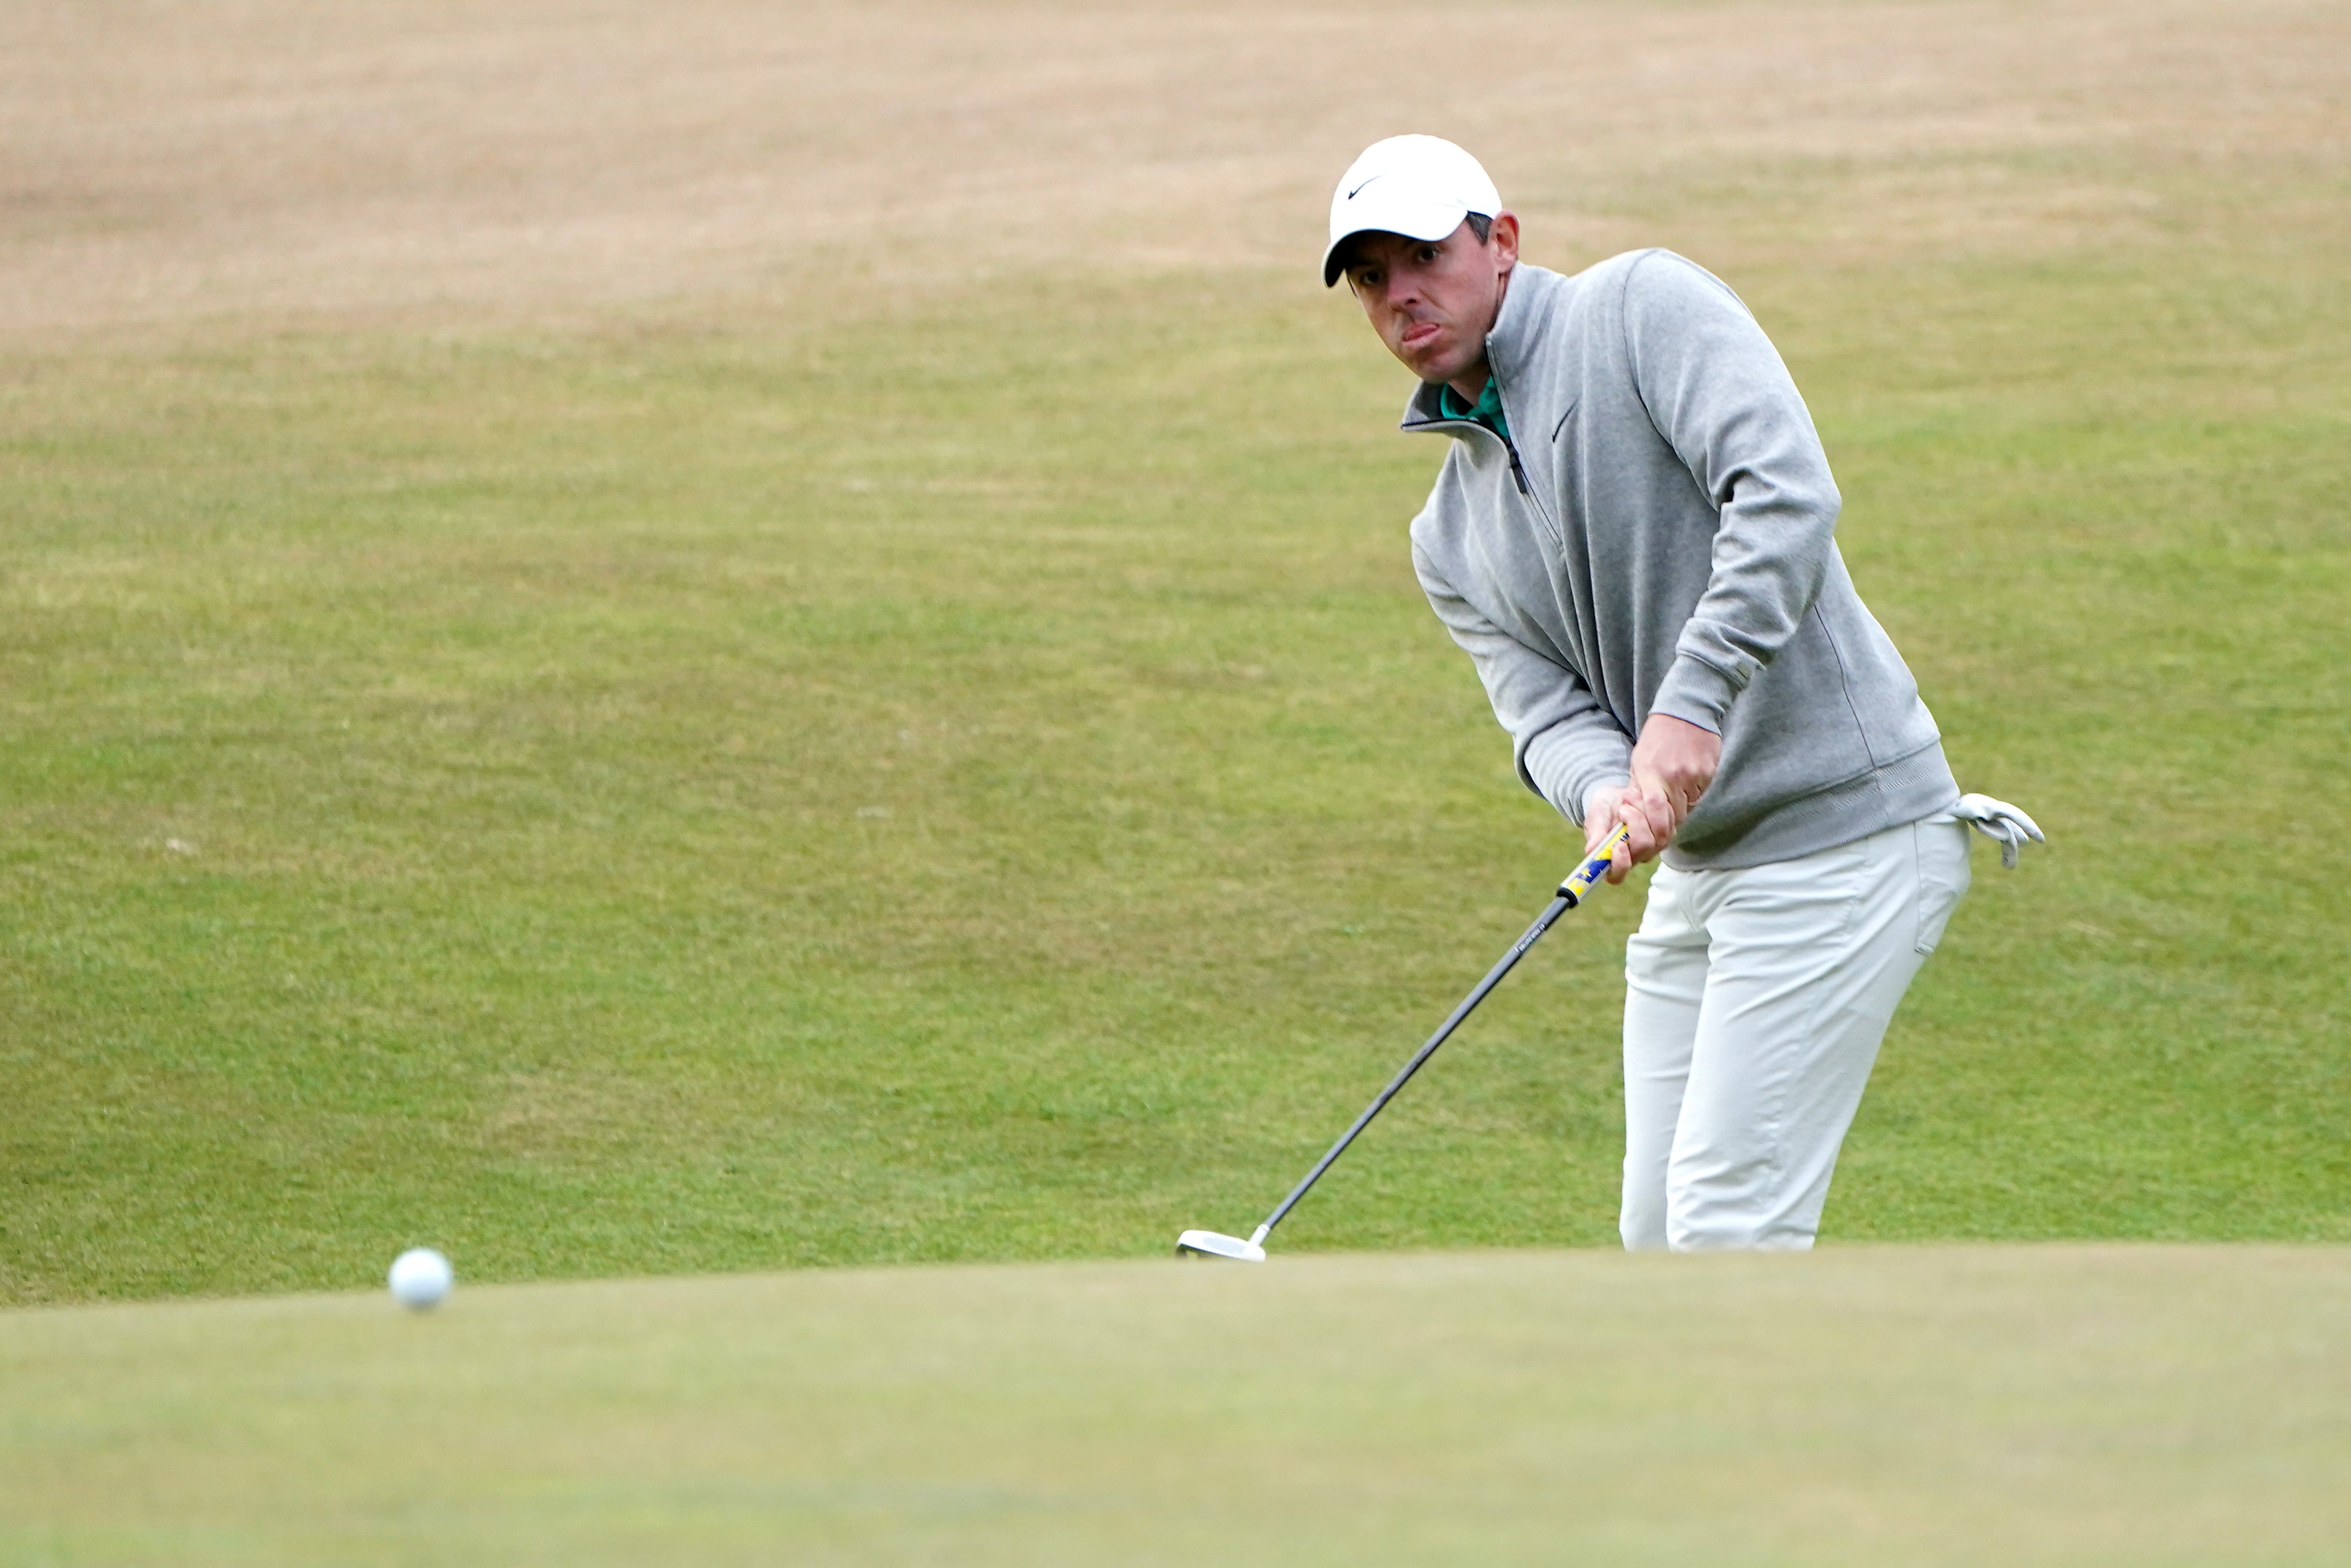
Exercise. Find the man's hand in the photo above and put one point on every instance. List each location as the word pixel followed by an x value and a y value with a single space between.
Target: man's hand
pixel 1648 825
pixel 1672 765
pixel 1676 760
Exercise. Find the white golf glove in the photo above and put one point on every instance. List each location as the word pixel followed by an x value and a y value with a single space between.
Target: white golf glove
pixel 1999 819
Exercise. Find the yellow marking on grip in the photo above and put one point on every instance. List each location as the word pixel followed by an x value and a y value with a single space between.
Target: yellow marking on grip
pixel 1595 866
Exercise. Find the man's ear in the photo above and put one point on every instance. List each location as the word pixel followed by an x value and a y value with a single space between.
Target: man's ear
pixel 1505 238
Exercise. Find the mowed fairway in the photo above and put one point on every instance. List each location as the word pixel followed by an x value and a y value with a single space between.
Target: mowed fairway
pixel 645 640
pixel 1954 1406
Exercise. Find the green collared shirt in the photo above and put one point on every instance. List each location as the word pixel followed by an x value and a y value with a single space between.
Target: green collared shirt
pixel 1488 411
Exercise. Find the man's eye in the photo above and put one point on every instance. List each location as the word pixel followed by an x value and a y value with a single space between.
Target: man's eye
pixel 1428 253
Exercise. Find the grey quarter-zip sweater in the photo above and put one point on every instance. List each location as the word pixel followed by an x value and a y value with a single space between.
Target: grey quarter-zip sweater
pixel 1657 534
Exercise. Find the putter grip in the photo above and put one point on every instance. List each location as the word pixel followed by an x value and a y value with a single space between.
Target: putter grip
pixel 1595 866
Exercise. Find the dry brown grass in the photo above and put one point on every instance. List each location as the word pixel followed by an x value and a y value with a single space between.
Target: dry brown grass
pixel 263 161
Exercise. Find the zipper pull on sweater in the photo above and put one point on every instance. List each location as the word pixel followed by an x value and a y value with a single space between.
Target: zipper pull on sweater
pixel 1517 469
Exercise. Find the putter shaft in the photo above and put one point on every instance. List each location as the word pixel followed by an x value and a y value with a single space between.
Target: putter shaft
pixel 1572 891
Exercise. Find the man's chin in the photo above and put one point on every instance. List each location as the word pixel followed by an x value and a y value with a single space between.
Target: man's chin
pixel 1435 366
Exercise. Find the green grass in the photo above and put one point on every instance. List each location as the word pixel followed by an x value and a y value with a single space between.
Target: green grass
pixel 979 782
pixel 2149 1406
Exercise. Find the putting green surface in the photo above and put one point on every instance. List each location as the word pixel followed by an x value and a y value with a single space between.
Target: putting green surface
pixel 1870 1405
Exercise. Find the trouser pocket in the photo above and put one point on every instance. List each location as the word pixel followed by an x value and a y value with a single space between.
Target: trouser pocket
pixel 1940 847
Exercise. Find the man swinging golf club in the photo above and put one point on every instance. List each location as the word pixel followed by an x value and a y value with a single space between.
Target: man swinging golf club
pixel 1632 536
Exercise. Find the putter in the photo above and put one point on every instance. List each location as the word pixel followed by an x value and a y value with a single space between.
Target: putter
pixel 1572 891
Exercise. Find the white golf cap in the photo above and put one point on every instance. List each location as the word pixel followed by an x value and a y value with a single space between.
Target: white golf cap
pixel 1417 186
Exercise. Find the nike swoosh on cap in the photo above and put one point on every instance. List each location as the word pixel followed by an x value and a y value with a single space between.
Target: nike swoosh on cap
pixel 1359 190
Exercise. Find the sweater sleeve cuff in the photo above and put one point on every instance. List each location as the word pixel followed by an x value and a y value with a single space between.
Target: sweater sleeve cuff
pixel 1566 775
pixel 1696 693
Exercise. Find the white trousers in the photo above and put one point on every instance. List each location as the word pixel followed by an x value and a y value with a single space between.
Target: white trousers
pixel 1754 1004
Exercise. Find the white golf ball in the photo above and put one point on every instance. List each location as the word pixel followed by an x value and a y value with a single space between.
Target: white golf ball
pixel 420 1277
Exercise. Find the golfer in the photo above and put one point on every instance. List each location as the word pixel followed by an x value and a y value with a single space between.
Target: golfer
pixel 1632 536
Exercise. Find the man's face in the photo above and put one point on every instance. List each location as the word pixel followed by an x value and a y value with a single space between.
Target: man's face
pixel 1433 301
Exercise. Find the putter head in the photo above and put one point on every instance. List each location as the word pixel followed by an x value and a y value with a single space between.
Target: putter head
pixel 1210 1244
